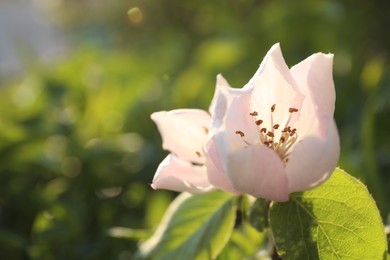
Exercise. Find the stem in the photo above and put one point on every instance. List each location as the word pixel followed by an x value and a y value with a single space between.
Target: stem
pixel 275 255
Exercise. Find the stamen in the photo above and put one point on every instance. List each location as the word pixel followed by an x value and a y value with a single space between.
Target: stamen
pixel 198 154
pixel 268 143
pixel 241 133
pixel 293 132
pixel 287 136
pixel 258 122
pixel 291 110
pixel 273 107
pixel 290 142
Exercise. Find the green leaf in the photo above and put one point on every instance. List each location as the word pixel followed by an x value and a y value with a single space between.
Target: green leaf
pixel 337 220
pixel 194 227
pixel 245 241
pixel 258 214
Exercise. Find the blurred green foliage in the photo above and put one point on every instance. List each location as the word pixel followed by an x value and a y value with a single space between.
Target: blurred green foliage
pixel 78 148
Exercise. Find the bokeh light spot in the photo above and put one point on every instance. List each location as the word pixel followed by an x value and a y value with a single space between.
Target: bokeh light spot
pixel 130 142
pixel 135 15
pixel 26 94
pixel 133 162
pixel 372 73
pixel 71 166
pixel 55 147
pixel 109 192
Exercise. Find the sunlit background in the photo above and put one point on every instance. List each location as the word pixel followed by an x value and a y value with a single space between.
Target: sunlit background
pixel 79 80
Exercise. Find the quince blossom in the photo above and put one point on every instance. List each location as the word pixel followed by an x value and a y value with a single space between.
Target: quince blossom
pixel 277 134
pixel 274 136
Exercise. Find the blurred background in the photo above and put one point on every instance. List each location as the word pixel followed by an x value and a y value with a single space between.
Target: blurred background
pixel 80 78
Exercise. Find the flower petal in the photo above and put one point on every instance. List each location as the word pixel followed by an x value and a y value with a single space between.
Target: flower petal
pixel 223 97
pixel 238 119
pixel 177 175
pixel 230 113
pixel 184 132
pixel 215 170
pixel 314 78
pixel 314 158
pixel 220 86
pixel 258 171
pixel 274 84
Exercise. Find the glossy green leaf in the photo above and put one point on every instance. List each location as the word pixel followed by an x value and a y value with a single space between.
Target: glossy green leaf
pixel 194 227
pixel 337 220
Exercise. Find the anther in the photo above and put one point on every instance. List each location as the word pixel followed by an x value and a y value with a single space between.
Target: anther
pixel 198 154
pixel 292 132
pixel 241 133
pixel 282 141
pixel 258 122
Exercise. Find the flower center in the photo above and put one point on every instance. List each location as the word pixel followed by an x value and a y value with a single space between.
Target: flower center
pixel 280 139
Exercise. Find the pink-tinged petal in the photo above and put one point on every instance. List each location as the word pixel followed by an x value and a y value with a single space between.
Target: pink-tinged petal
pixel 215 170
pixel 223 97
pixel 240 125
pixel 258 171
pixel 315 80
pixel 177 175
pixel 184 132
pixel 314 158
pixel 314 77
pixel 220 86
pixel 274 84
pixel 219 103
